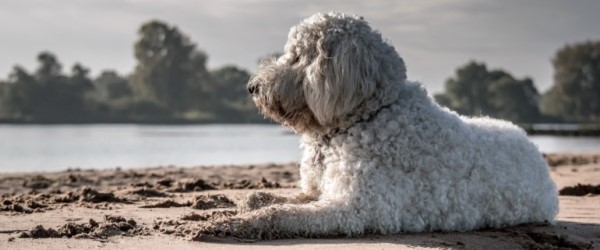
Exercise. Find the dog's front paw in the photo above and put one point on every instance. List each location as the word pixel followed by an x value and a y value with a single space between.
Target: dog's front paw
pixel 235 227
pixel 258 200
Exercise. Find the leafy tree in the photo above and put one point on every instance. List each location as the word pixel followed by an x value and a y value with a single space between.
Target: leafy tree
pixel 201 85
pixel 48 95
pixel 49 68
pixel 60 97
pixel 168 65
pixel 475 90
pixel 111 86
pixel 80 80
pixel 234 103
pixel 231 83
pixel 79 89
pixel 4 88
pixel 575 95
pixel 515 100
pixel 49 86
pixel 19 94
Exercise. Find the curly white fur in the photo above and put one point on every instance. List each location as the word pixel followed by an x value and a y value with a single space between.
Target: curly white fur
pixel 379 154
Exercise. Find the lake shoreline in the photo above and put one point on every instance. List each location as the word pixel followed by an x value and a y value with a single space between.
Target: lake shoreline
pixel 163 206
pixel 564 129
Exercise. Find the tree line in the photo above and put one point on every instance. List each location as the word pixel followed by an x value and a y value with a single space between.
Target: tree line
pixel 171 84
pixel 574 96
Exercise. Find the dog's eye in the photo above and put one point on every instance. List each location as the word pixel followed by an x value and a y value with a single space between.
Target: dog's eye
pixel 296 59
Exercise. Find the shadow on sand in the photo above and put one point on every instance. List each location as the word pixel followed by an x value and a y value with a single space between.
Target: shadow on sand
pixel 563 235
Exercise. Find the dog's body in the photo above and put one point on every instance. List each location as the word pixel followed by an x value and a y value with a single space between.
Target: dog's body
pixel 379 154
pixel 418 167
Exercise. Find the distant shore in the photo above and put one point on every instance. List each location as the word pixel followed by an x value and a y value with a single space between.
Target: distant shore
pixel 161 207
pixel 567 129
pixel 562 129
pixel 133 122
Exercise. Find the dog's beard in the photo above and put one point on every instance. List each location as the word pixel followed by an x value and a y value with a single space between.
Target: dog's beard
pixel 299 118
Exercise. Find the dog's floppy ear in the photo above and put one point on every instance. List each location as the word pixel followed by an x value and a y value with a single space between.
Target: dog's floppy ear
pixel 344 73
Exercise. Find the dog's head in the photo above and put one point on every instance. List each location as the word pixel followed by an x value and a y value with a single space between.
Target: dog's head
pixel 332 65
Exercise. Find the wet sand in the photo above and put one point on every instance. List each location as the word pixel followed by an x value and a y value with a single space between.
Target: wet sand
pixel 160 208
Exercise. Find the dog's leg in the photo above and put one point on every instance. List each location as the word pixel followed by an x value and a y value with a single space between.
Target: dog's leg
pixel 260 199
pixel 311 172
pixel 320 218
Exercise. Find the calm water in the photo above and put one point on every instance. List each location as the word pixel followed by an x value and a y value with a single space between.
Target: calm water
pixel 51 148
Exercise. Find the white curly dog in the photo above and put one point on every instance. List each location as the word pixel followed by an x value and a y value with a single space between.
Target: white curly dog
pixel 380 156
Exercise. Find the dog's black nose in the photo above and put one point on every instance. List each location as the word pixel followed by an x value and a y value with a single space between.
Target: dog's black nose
pixel 253 89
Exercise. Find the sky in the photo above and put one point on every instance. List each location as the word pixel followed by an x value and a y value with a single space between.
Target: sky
pixel 433 37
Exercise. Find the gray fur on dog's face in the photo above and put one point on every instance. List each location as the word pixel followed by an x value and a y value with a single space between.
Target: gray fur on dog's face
pixel 333 63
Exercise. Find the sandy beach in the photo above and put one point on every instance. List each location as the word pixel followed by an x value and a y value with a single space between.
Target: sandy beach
pixel 159 208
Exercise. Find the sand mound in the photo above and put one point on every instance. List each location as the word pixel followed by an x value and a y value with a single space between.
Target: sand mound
pixel 38 182
pixel 580 190
pixel 112 226
pixel 209 216
pixel 24 204
pixel 35 203
pixel 187 225
pixel 90 195
pixel 555 160
pixel 247 184
pixel 212 201
pixel 143 192
pixel 189 185
pixel 167 204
